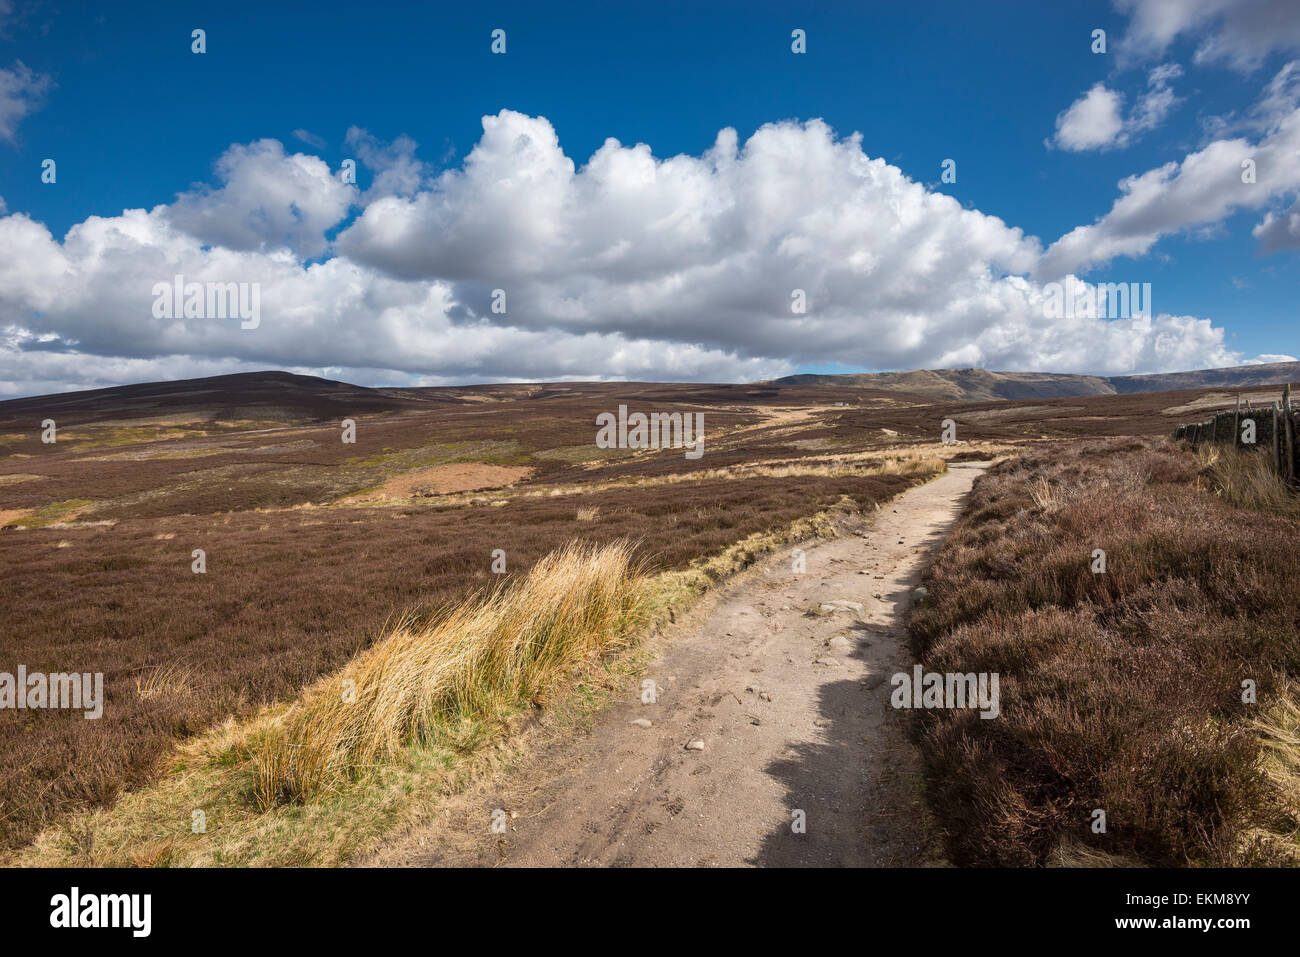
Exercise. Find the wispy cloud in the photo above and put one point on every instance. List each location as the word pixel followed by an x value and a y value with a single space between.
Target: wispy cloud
pixel 311 139
pixel 1238 33
pixel 22 92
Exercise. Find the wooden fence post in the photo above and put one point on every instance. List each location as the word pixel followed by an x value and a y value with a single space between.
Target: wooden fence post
pixel 1277 442
pixel 1290 435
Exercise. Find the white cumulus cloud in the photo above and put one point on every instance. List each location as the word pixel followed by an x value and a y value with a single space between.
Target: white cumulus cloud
pixel 1096 120
pixel 268 200
pixel 626 266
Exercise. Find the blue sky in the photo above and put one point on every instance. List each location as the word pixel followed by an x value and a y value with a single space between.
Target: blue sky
pixel 134 119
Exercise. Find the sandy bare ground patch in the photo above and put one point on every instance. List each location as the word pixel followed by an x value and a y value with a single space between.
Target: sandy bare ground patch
pixel 8 515
pixel 442 479
pixel 791 704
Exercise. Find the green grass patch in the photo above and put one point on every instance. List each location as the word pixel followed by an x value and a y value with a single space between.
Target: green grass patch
pixel 54 512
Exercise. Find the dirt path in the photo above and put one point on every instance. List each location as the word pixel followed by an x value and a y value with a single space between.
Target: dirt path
pixel 793 711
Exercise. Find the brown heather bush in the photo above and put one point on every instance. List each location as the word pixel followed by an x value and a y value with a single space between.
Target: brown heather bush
pixel 1120 691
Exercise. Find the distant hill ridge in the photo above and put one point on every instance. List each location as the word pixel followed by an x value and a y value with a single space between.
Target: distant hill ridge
pixel 982 385
pixel 286 396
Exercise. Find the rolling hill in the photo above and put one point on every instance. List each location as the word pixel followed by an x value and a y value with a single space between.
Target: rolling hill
pixel 980 385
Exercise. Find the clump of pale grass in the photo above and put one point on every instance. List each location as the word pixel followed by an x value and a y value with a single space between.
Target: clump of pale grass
pixel 423 683
pixel 1246 479
pixel 169 681
pixel 1279 732
pixel 919 463
pixel 1071 852
pixel 1043 493
pixel 1279 737
pixel 588 513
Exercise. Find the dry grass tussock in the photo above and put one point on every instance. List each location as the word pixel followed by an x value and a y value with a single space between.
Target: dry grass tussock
pixel 1245 479
pixel 440 681
pixel 1279 736
pixel 169 681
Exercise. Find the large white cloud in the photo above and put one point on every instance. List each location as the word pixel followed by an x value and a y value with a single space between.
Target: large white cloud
pixel 627 266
